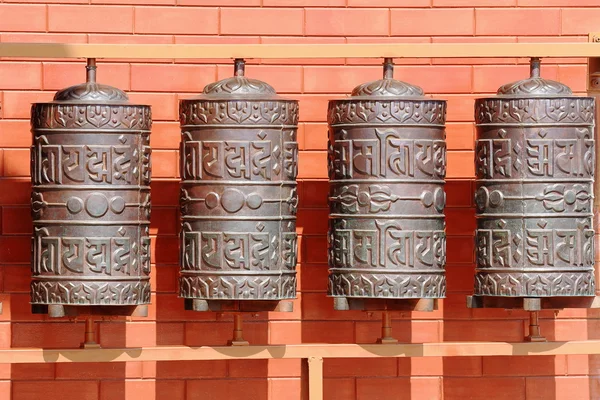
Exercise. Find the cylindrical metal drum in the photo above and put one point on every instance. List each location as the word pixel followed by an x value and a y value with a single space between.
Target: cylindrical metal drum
pixel 90 169
pixel 238 198
pixel 534 162
pixel 387 165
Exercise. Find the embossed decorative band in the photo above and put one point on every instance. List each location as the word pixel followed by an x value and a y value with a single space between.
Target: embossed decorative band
pixel 535 284
pixel 91 116
pixel 390 286
pixel 276 287
pixel 90 293
pixel 571 110
pixel 383 111
pixel 238 112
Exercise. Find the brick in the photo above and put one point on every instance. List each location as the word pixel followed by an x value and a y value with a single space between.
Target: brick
pixel 460 221
pixel 433 79
pixel 146 389
pixel 328 332
pixel 314 249
pixel 164 193
pixel 169 253
pixel 313 108
pixel 438 366
pixel 317 306
pixel 563 330
pixel 281 388
pixel 22 18
pixel 557 3
pixel 221 3
pixel 16 279
pixel 185 39
pixel 460 278
pixel 20 75
pixel 339 389
pixel 473 3
pixel 86 390
pixel 16 162
pixel 165 164
pixel 484 331
pixel 16 220
pixel 164 221
pixel 15 249
pixel 191 369
pixel 173 78
pixel 460 107
pixel 347 22
pixel 210 389
pixel 312 222
pixel 314 278
pixel 164 106
pixel 26 37
pixel 47 334
pixel 29 372
pixel 165 135
pixel 432 22
pixel 95 371
pixel 458 193
pixel 574 76
pixel 338 79
pixel 460 164
pixel 15 191
pixel 15 133
pixel 285 332
pixel 524 366
pixel 388 3
pixel 176 20
pixel 343 367
pixel 242 368
pixel 315 136
pixel 481 388
pixel 170 334
pixel 85 19
pixel 404 330
pixel 304 3
pixel 460 136
pixel 583 364
pixel 381 388
pixel 489 78
pixel 262 21
pixel 313 193
pixel 571 387
pixel 20 308
pixel 312 164
pixel 60 75
pixel 284 79
pixel 214 334
pixel 579 21
pixel 517 21
pixel 17 104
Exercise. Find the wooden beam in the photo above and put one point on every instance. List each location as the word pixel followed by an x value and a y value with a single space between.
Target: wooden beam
pixel 300 351
pixel 290 51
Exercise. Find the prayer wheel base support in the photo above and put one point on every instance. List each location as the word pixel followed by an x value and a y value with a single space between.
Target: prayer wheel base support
pixel 345 304
pixel 239 305
pixel 386 330
pixel 89 340
pixel 60 310
pixel 533 303
pixel 534 329
pixel 238 338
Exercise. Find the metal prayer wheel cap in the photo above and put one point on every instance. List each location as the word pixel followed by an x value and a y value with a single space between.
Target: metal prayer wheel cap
pixel 238 87
pixel 535 85
pixel 387 87
pixel 91 91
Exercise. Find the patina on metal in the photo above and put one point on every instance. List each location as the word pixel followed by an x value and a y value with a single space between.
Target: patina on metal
pixel 534 162
pixel 387 166
pixel 90 202
pixel 238 200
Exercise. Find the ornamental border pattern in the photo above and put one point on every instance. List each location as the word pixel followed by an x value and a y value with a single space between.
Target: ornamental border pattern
pixel 91 116
pixel 91 294
pixel 390 286
pixel 570 110
pixel 238 112
pixel 419 112
pixel 540 284
pixel 262 287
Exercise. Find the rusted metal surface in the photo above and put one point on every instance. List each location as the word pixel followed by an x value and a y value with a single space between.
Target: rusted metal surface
pixel 387 165
pixel 90 169
pixel 534 174
pixel 238 198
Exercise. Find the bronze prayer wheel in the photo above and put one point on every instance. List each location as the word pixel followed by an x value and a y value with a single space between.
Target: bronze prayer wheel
pixel 90 202
pixel 387 165
pixel 238 200
pixel 534 162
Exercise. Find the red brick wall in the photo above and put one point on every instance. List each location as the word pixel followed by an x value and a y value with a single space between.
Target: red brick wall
pixel 162 83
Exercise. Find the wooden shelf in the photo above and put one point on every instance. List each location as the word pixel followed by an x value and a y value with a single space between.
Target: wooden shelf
pixel 300 351
pixel 290 51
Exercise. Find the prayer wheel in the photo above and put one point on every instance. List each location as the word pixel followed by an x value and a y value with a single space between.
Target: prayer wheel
pixel 90 202
pixel 534 162
pixel 387 166
pixel 238 196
